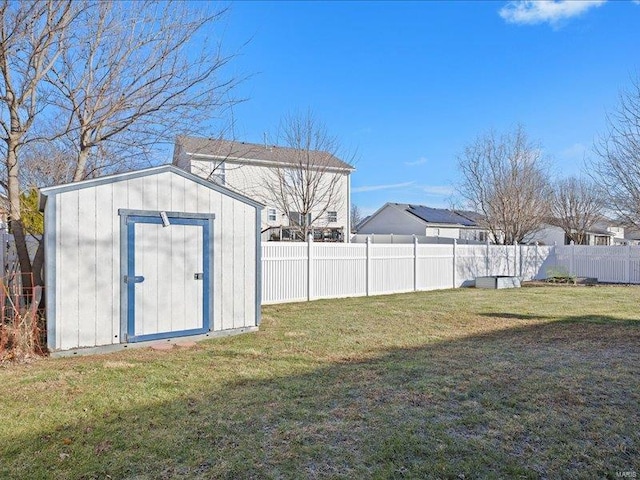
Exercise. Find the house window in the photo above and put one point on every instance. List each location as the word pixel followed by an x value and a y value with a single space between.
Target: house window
pixel 296 218
pixel 332 216
pixel 271 215
pixel 482 236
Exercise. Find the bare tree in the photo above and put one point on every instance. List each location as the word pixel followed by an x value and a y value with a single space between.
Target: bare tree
pixel 505 179
pixel 100 84
pixel 577 205
pixel 356 217
pixel 131 76
pixel 617 167
pixel 310 181
pixel 43 164
pixel 30 35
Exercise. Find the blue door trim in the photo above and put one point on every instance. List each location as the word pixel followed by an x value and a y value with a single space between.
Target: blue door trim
pixel 178 219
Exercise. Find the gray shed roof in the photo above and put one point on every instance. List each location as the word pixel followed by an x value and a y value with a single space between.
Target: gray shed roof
pixel 226 149
pixel 44 192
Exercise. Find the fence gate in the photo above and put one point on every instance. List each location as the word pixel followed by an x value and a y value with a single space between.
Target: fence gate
pixel 167 276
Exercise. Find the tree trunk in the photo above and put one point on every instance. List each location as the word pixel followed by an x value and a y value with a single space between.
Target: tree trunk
pixel 38 264
pixel 81 166
pixel 38 273
pixel 23 255
pixel 15 221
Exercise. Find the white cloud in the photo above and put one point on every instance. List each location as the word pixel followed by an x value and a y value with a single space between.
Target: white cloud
pixel 373 188
pixel 420 161
pixel 529 12
pixel 438 190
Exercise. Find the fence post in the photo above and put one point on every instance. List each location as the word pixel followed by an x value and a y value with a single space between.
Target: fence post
pixel 309 265
pixel 368 269
pixel 572 262
pixel 487 259
pixel 415 263
pixel 628 269
pixel 455 263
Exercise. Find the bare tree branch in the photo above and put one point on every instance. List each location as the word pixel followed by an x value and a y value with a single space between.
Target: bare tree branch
pixel 311 182
pixel 356 217
pixel 132 76
pixel 617 166
pixel 102 84
pixel 30 35
pixel 505 179
pixel 577 205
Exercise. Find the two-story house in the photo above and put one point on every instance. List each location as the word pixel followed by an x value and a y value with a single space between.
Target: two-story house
pixel 301 190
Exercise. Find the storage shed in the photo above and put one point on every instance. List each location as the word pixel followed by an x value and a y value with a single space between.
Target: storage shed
pixel 148 255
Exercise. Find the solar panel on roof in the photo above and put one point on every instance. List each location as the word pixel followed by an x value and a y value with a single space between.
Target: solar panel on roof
pixel 440 215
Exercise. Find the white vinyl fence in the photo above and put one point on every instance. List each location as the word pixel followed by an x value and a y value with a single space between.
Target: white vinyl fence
pixel 305 271
pixel 616 264
pixel 395 238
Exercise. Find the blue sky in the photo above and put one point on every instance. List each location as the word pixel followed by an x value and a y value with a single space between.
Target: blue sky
pixel 406 85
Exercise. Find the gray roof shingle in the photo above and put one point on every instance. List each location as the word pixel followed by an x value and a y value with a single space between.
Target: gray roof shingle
pixel 252 151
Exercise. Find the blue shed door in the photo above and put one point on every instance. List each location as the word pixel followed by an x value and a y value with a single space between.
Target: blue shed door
pixel 167 278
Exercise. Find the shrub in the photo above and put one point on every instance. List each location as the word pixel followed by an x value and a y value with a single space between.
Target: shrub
pixel 560 274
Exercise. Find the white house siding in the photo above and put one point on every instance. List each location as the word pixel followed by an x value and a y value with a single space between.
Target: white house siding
pixel 444 232
pixel 552 235
pixel 249 180
pixel 548 235
pixel 87 254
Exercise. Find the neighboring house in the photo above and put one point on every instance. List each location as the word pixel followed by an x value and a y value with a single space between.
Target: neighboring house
pixel 419 220
pixel 248 169
pixel 632 236
pixel 604 232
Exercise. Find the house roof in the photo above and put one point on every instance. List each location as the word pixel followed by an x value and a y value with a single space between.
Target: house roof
pixel 227 149
pixel 441 215
pixel 432 216
pixel 45 192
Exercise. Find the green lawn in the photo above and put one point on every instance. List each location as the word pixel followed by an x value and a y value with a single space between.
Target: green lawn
pixel 527 383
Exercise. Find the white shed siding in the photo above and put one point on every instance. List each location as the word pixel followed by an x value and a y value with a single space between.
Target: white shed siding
pixel 250 262
pixel 226 286
pixel 88 276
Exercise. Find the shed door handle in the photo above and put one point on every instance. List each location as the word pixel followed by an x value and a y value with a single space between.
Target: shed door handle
pixel 198 276
pixel 133 279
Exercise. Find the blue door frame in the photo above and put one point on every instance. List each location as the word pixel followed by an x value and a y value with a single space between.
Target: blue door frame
pixel 131 221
